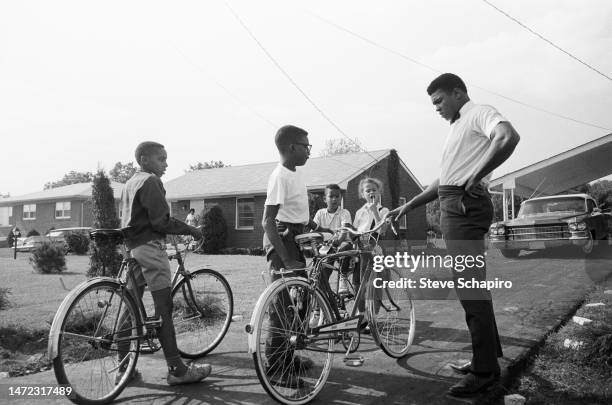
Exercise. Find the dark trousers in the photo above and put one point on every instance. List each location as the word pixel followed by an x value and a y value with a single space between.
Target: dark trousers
pixel 464 221
pixel 281 311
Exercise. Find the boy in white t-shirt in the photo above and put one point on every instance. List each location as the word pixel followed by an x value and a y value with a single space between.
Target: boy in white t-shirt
pixel 286 215
pixel 330 219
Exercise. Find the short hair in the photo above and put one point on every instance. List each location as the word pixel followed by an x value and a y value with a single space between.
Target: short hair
pixel 146 148
pixel 288 135
pixel 446 82
pixel 370 180
pixel 333 187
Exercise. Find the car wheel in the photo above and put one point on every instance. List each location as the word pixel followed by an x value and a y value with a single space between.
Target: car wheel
pixel 510 253
pixel 587 248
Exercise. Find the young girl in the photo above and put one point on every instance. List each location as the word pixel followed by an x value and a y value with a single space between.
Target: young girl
pixel 366 218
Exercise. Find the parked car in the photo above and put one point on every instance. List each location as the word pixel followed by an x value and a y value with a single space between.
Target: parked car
pixel 555 221
pixel 55 236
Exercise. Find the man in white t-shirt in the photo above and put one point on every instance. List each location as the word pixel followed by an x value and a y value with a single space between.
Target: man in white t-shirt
pixel 480 140
pixel 286 215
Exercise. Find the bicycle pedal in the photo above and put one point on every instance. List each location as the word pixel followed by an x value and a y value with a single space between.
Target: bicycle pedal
pixel 149 347
pixel 354 361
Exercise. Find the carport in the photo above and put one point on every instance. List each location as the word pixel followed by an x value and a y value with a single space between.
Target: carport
pixel 580 165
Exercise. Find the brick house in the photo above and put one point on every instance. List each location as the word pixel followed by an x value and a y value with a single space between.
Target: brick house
pixel 240 191
pixel 60 207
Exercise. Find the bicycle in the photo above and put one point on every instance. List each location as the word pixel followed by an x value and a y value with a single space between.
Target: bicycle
pixel 96 335
pixel 292 300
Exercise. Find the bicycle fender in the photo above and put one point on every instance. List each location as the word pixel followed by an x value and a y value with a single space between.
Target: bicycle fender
pixel 54 332
pixel 252 327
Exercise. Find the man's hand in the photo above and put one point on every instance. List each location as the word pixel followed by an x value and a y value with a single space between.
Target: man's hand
pixel 396 214
pixel 473 187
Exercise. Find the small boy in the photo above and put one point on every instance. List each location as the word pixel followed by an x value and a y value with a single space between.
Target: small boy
pixel 285 215
pixel 330 219
pixel 145 211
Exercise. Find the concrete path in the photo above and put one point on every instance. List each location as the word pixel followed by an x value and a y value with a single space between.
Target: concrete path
pixel 545 291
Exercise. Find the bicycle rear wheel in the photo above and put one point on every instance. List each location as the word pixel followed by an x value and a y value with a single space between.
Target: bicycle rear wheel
pixel 201 316
pixel 390 313
pixel 84 336
pixel 291 366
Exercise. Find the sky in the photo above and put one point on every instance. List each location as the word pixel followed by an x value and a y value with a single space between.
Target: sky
pixel 82 83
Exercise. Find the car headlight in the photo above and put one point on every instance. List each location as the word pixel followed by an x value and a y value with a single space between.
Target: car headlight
pixel 577 226
pixel 501 230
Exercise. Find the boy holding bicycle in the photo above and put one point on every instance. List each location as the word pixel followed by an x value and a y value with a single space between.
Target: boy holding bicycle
pixel 146 213
pixel 286 215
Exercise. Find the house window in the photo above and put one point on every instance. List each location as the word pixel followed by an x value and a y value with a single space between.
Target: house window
pixel 245 213
pixel 62 210
pixel 29 211
pixel 402 222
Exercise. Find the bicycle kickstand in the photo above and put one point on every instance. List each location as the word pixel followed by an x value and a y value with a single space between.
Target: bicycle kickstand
pixel 352 360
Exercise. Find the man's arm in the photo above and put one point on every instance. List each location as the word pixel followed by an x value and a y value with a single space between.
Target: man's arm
pixel 427 195
pixel 269 225
pixel 503 142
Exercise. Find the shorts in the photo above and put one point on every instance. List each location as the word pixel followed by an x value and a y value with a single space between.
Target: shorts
pixel 154 265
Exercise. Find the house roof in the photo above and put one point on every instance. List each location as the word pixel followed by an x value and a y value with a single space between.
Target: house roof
pixel 253 179
pixel 80 191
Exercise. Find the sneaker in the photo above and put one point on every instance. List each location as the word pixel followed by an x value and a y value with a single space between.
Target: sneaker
pixel 195 373
pixel 315 318
pixel 134 375
pixel 343 287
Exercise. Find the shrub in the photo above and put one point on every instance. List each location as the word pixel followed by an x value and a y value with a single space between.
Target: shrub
pixel 48 258
pixel 214 229
pixel 4 293
pixel 33 232
pixel 78 243
pixel 105 259
pixel 10 239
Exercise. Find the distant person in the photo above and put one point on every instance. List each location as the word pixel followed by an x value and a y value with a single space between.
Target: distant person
pixel 480 139
pixel 145 211
pixel 286 215
pixel 191 219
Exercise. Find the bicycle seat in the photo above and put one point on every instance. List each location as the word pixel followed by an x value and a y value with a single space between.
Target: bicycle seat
pixel 108 233
pixel 306 238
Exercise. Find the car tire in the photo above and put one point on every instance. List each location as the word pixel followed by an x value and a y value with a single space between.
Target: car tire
pixel 510 253
pixel 587 248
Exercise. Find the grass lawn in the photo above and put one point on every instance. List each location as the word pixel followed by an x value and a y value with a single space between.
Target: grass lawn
pixel 34 298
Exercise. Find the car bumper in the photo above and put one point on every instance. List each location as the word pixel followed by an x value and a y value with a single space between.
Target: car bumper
pixel 577 239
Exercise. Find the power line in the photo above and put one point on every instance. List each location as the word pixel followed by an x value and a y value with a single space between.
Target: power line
pixel 232 95
pixel 547 40
pixel 417 62
pixel 293 82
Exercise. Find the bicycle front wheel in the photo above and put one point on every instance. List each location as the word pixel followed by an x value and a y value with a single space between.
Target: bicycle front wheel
pixel 390 313
pixel 203 306
pixel 95 340
pixel 291 364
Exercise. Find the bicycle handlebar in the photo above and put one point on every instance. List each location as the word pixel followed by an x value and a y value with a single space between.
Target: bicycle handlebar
pixel 376 228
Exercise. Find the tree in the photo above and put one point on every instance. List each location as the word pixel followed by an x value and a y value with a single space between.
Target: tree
pixel 71 177
pixel 121 173
pixel 213 164
pixel 601 191
pixel 214 229
pixel 104 258
pixel 340 146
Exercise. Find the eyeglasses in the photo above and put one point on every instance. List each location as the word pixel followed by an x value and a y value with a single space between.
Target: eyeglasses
pixel 306 145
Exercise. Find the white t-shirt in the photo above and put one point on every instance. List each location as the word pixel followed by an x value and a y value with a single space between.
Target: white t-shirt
pixel 288 189
pixel 364 217
pixel 332 221
pixel 468 139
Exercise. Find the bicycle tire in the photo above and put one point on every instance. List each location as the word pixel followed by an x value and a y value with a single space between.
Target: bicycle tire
pixel 82 336
pixel 390 313
pixel 201 326
pixel 277 374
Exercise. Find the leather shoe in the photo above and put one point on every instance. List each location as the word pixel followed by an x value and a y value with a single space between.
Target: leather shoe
pixel 463 369
pixel 472 384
